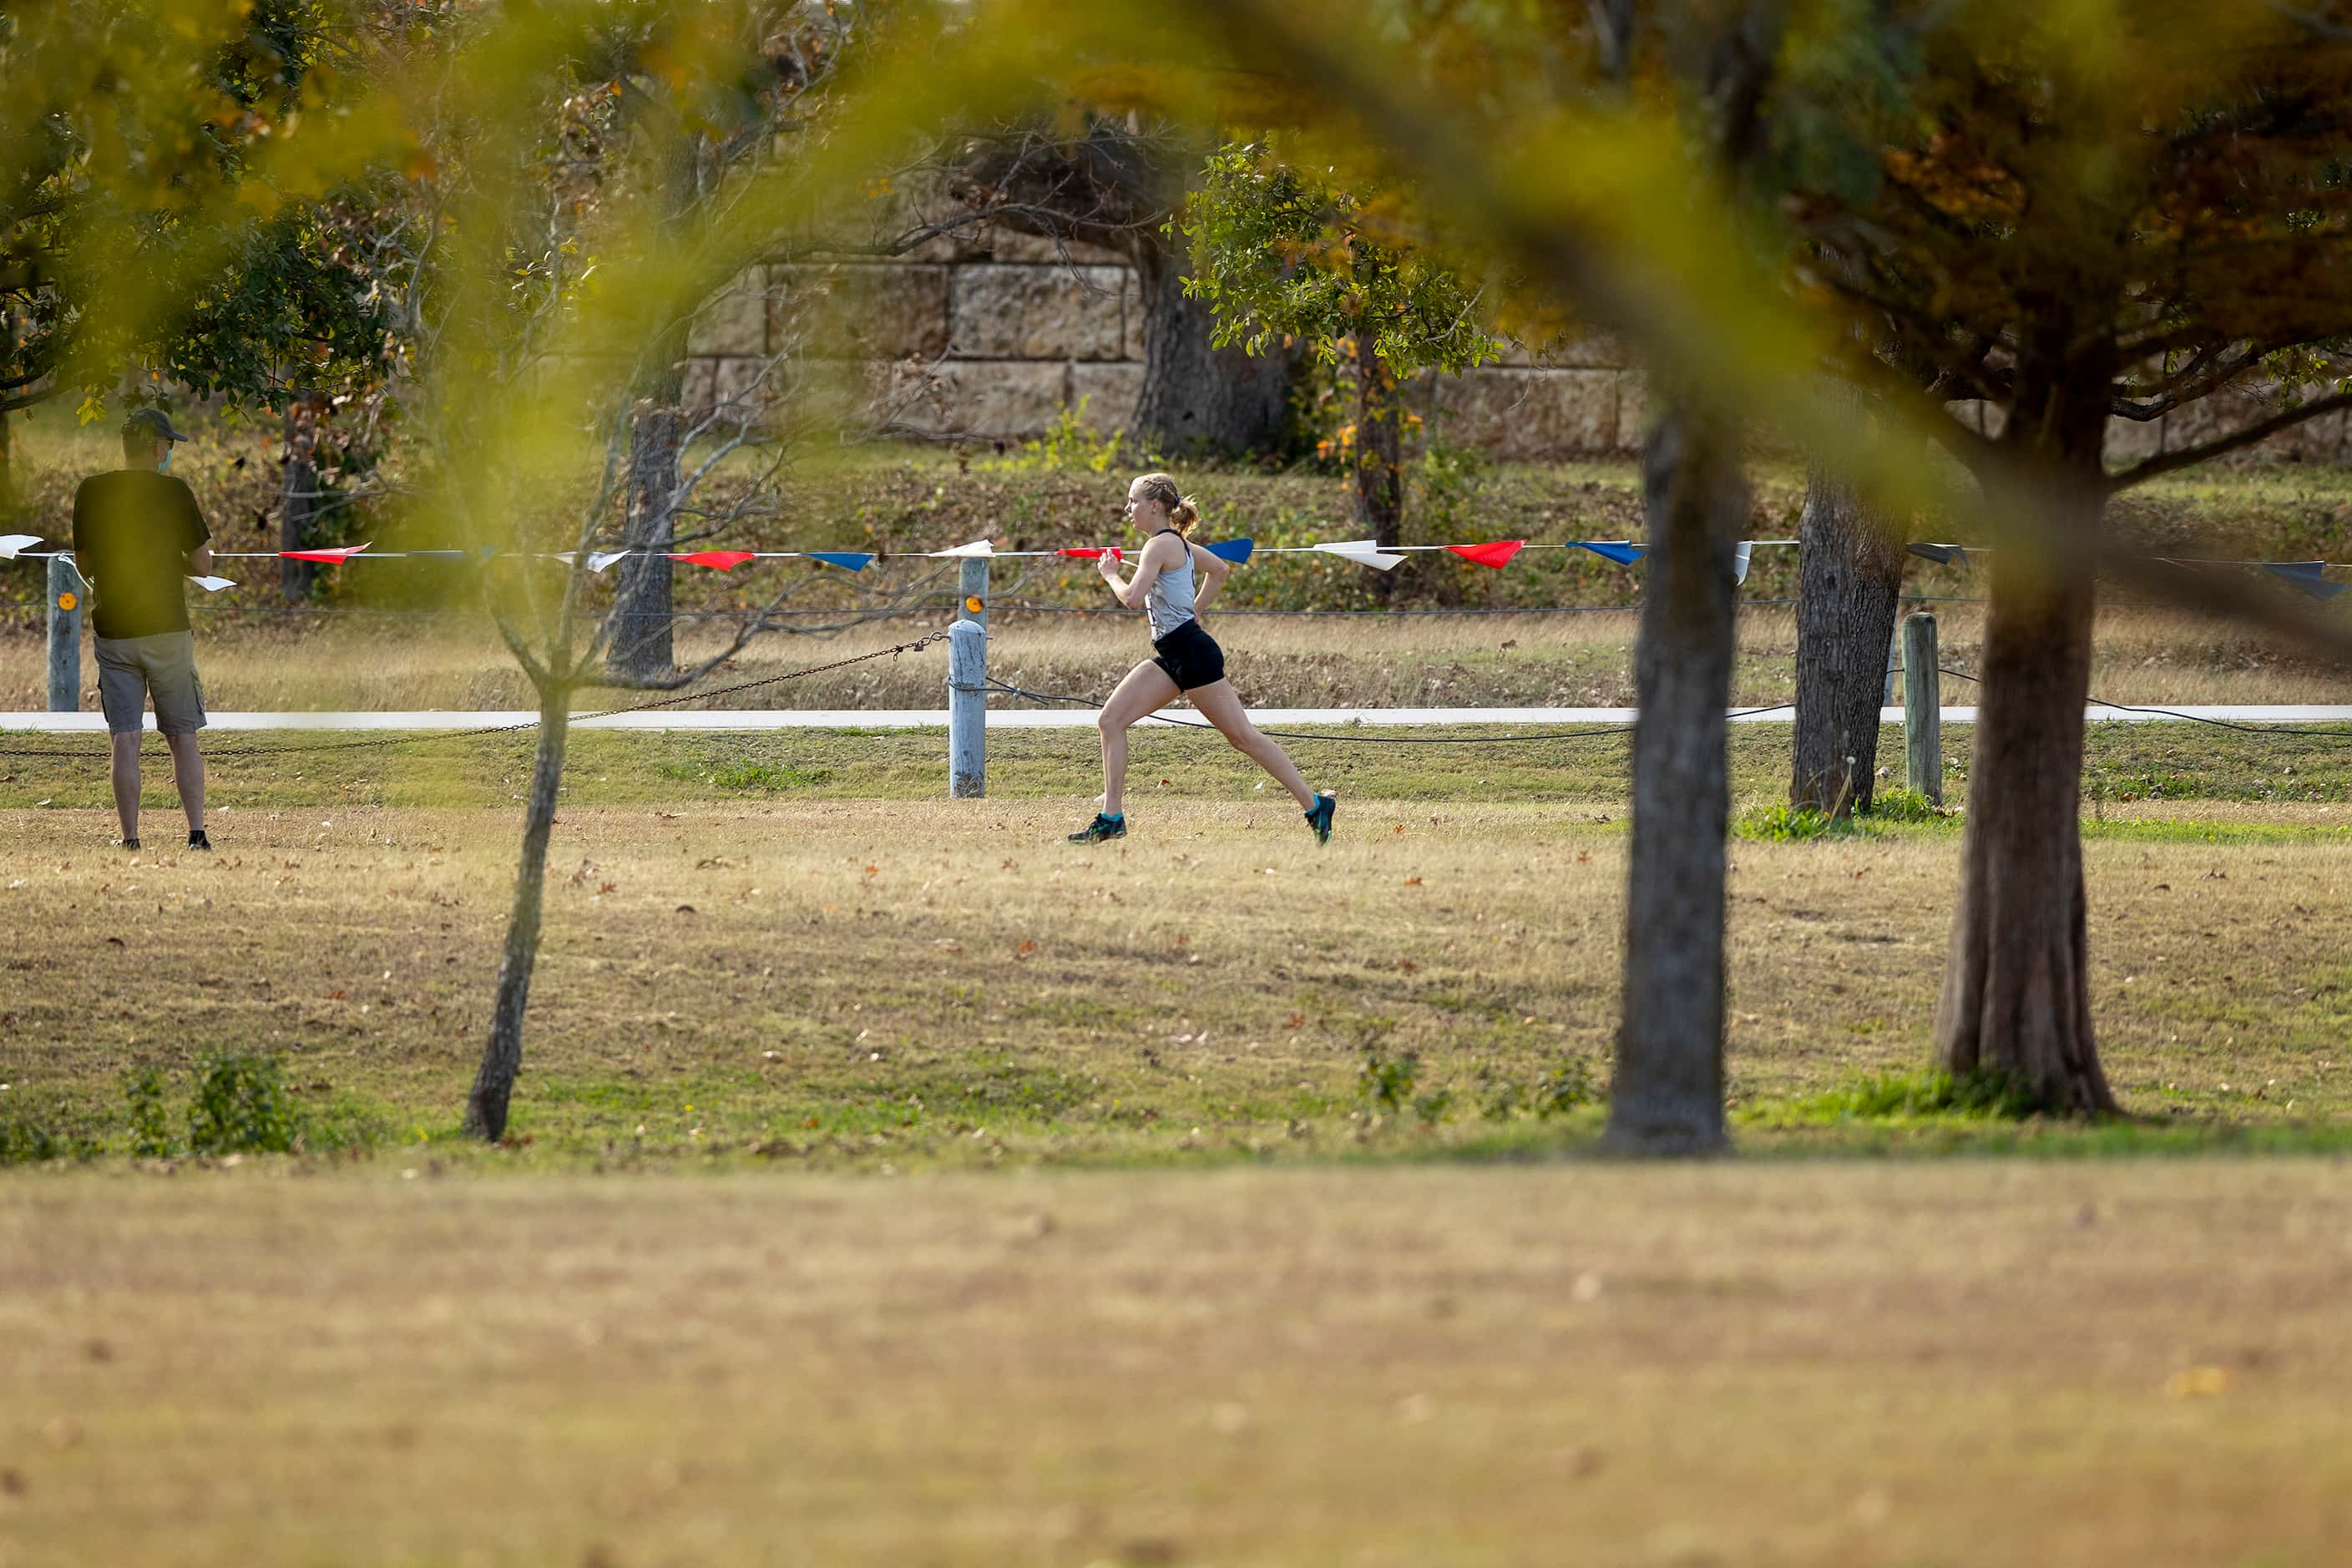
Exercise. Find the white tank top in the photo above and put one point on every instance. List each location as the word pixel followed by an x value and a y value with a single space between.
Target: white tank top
pixel 1168 602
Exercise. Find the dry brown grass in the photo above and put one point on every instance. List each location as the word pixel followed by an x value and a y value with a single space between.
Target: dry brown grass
pixel 895 982
pixel 1580 660
pixel 1961 1364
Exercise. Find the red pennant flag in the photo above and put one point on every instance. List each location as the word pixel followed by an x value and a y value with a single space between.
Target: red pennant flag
pixel 716 560
pixel 1497 555
pixel 1092 553
pixel 334 557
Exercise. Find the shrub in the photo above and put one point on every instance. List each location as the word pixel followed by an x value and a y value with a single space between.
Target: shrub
pixel 151 1122
pixel 1568 1086
pixel 26 1142
pixel 241 1107
pixel 1387 1081
pixel 1781 823
pixel 1907 805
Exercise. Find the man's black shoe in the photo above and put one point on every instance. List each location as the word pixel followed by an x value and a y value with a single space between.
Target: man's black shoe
pixel 126 844
pixel 1101 828
pixel 196 839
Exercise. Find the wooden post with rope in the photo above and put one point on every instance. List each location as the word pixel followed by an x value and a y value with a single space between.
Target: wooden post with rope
pixel 1923 712
pixel 66 590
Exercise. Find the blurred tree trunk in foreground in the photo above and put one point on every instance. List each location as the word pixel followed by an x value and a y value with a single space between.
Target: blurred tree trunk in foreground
pixel 1667 1094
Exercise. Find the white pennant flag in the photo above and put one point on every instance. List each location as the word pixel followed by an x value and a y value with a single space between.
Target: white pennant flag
pixel 212 584
pixel 1739 561
pixel 600 559
pixel 12 542
pixel 1364 553
pixel 978 547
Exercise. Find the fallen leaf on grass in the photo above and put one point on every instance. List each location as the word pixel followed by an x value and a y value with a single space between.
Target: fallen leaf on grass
pixel 1413 882
pixel 686 908
pixel 2196 1382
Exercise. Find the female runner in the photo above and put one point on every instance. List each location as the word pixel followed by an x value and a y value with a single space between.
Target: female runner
pixel 1185 660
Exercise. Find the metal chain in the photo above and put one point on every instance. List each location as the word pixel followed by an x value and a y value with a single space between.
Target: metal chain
pixel 406 739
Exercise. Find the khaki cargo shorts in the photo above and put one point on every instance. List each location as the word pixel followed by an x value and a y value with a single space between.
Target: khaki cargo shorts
pixel 132 669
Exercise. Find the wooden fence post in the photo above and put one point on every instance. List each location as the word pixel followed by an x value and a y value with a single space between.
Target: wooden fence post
pixel 65 589
pixel 1923 715
pixel 971 588
pixel 967 711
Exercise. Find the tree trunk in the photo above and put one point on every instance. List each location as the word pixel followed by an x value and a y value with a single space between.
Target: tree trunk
pixel 1380 457
pixel 485 1106
pixel 7 466
pixel 299 502
pixel 2017 995
pixel 641 647
pixel 641 606
pixel 1667 1097
pixel 1197 399
pixel 1851 576
pixel 1380 446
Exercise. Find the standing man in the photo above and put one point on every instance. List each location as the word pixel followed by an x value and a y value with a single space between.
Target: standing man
pixel 136 533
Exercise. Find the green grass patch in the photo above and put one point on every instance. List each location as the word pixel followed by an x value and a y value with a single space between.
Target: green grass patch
pixel 1907 1097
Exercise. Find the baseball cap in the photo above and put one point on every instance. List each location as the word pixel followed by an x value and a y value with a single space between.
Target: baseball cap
pixel 151 421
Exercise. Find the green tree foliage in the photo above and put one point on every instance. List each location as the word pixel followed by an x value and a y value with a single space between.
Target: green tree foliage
pixel 1282 253
pixel 126 149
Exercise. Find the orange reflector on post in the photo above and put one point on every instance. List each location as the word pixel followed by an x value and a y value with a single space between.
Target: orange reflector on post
pixel 67 601
pixel 972 602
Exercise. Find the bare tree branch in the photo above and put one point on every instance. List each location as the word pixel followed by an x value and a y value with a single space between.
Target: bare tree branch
pixel 2261 430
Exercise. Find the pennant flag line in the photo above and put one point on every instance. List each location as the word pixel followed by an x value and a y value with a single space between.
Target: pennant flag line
pixel 1622 554
pixel 2305 575
pixel 1236 550
pixel 212 584
pixel 977 549
pixel 1739 561
pixel 1092 552
pixel 334 557
pixel 716 560
pixel 1497 554
pixel 847 560
pixel 1364 553
pixel 10 543
pixel 1942 554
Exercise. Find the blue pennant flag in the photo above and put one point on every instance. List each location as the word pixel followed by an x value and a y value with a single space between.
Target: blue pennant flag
pixel 1236 550
pixel 847 560
pixel 1623 555
pixel 1942 554
pixel 2306 575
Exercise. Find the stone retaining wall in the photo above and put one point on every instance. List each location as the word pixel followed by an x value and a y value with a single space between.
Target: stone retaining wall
pixel 994 341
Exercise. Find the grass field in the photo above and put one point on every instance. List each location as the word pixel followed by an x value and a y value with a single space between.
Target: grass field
pixel 1852 1364
pixel 893 1183
pixel 752 955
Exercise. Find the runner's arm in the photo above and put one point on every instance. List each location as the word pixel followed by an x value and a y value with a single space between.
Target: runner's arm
pixel 1148 566
pixel 200 561
pixel 1214 570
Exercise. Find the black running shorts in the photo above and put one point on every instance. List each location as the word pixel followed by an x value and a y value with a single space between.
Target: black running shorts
pixel 1189 656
